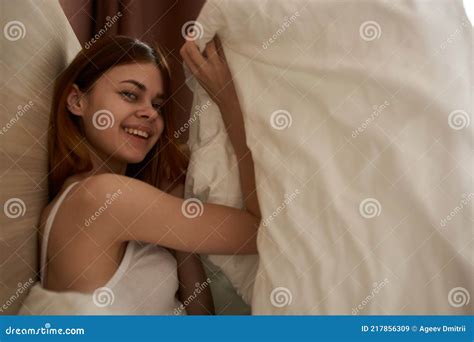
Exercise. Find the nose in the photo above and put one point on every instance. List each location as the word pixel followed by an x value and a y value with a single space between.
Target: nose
pixel 148 113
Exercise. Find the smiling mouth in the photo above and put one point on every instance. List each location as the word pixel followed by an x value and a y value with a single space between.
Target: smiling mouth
pixel 137 133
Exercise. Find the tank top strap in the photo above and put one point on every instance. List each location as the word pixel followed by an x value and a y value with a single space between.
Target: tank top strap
pixel 47 230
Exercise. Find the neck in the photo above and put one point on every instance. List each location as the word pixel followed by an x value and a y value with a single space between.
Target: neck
pixel 102 164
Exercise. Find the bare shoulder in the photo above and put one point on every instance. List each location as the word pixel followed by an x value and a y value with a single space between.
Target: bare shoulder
pixel 115 198
pixel 126 209
pixel 94 189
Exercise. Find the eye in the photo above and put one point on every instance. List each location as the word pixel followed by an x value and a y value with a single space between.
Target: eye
pixel 129 95
pixel 158 107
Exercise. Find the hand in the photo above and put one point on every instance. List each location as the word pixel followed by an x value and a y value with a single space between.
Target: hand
pixel 212 71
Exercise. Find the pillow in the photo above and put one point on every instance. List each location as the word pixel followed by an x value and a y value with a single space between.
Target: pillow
pixel 358 116
pixel 213 177
pixel 36 45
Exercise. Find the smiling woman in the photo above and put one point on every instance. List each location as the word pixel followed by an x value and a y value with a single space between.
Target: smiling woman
pixel 115 225
pixel 81 116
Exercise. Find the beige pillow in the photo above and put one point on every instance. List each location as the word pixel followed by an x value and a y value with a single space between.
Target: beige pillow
pixel 37 43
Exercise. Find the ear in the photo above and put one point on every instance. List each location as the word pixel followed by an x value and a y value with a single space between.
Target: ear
pixel 76 101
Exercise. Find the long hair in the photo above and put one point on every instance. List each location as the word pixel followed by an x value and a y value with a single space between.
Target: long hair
pixel 68 153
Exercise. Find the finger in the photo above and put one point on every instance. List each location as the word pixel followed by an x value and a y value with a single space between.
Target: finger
pixel 220 50
pixel 195 55
pixel 212 51
pixel 189 61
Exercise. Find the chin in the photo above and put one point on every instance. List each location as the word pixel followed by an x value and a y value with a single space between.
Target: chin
pixel 134 159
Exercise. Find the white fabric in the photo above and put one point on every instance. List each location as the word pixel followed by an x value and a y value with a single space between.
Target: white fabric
pixel 469 6
pixel 145 283
pixel 358 116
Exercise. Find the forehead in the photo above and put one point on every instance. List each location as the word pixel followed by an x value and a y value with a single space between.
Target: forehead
pixel 146 73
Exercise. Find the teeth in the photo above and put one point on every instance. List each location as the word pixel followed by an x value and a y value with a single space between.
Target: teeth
pixel 136 132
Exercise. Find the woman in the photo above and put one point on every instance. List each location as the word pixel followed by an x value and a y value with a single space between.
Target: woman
pixel 116 187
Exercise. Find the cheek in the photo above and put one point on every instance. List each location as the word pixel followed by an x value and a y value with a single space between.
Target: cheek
pixel 160 126
pixel 100 131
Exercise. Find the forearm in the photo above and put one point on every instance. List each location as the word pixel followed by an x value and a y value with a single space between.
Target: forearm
pixel 234 124
pixel 194 290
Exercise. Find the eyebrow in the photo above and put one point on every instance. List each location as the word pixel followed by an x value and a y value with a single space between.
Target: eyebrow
pixel 141 86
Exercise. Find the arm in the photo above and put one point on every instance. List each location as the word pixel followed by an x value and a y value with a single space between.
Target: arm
pixel 194 286
pixel 138 211
pixel 214 75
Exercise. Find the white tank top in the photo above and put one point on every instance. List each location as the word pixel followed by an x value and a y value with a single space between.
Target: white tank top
pixel 145 283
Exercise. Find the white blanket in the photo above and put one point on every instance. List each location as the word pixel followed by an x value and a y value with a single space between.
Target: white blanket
pixel 44 302
pixel 358 116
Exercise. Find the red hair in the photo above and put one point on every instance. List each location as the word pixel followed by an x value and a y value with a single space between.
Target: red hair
pixel 69 155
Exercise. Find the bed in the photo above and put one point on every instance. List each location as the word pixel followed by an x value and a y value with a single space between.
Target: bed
pixel 358 115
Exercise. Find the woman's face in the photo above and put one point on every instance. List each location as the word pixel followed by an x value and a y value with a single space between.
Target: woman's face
pixel 121 114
